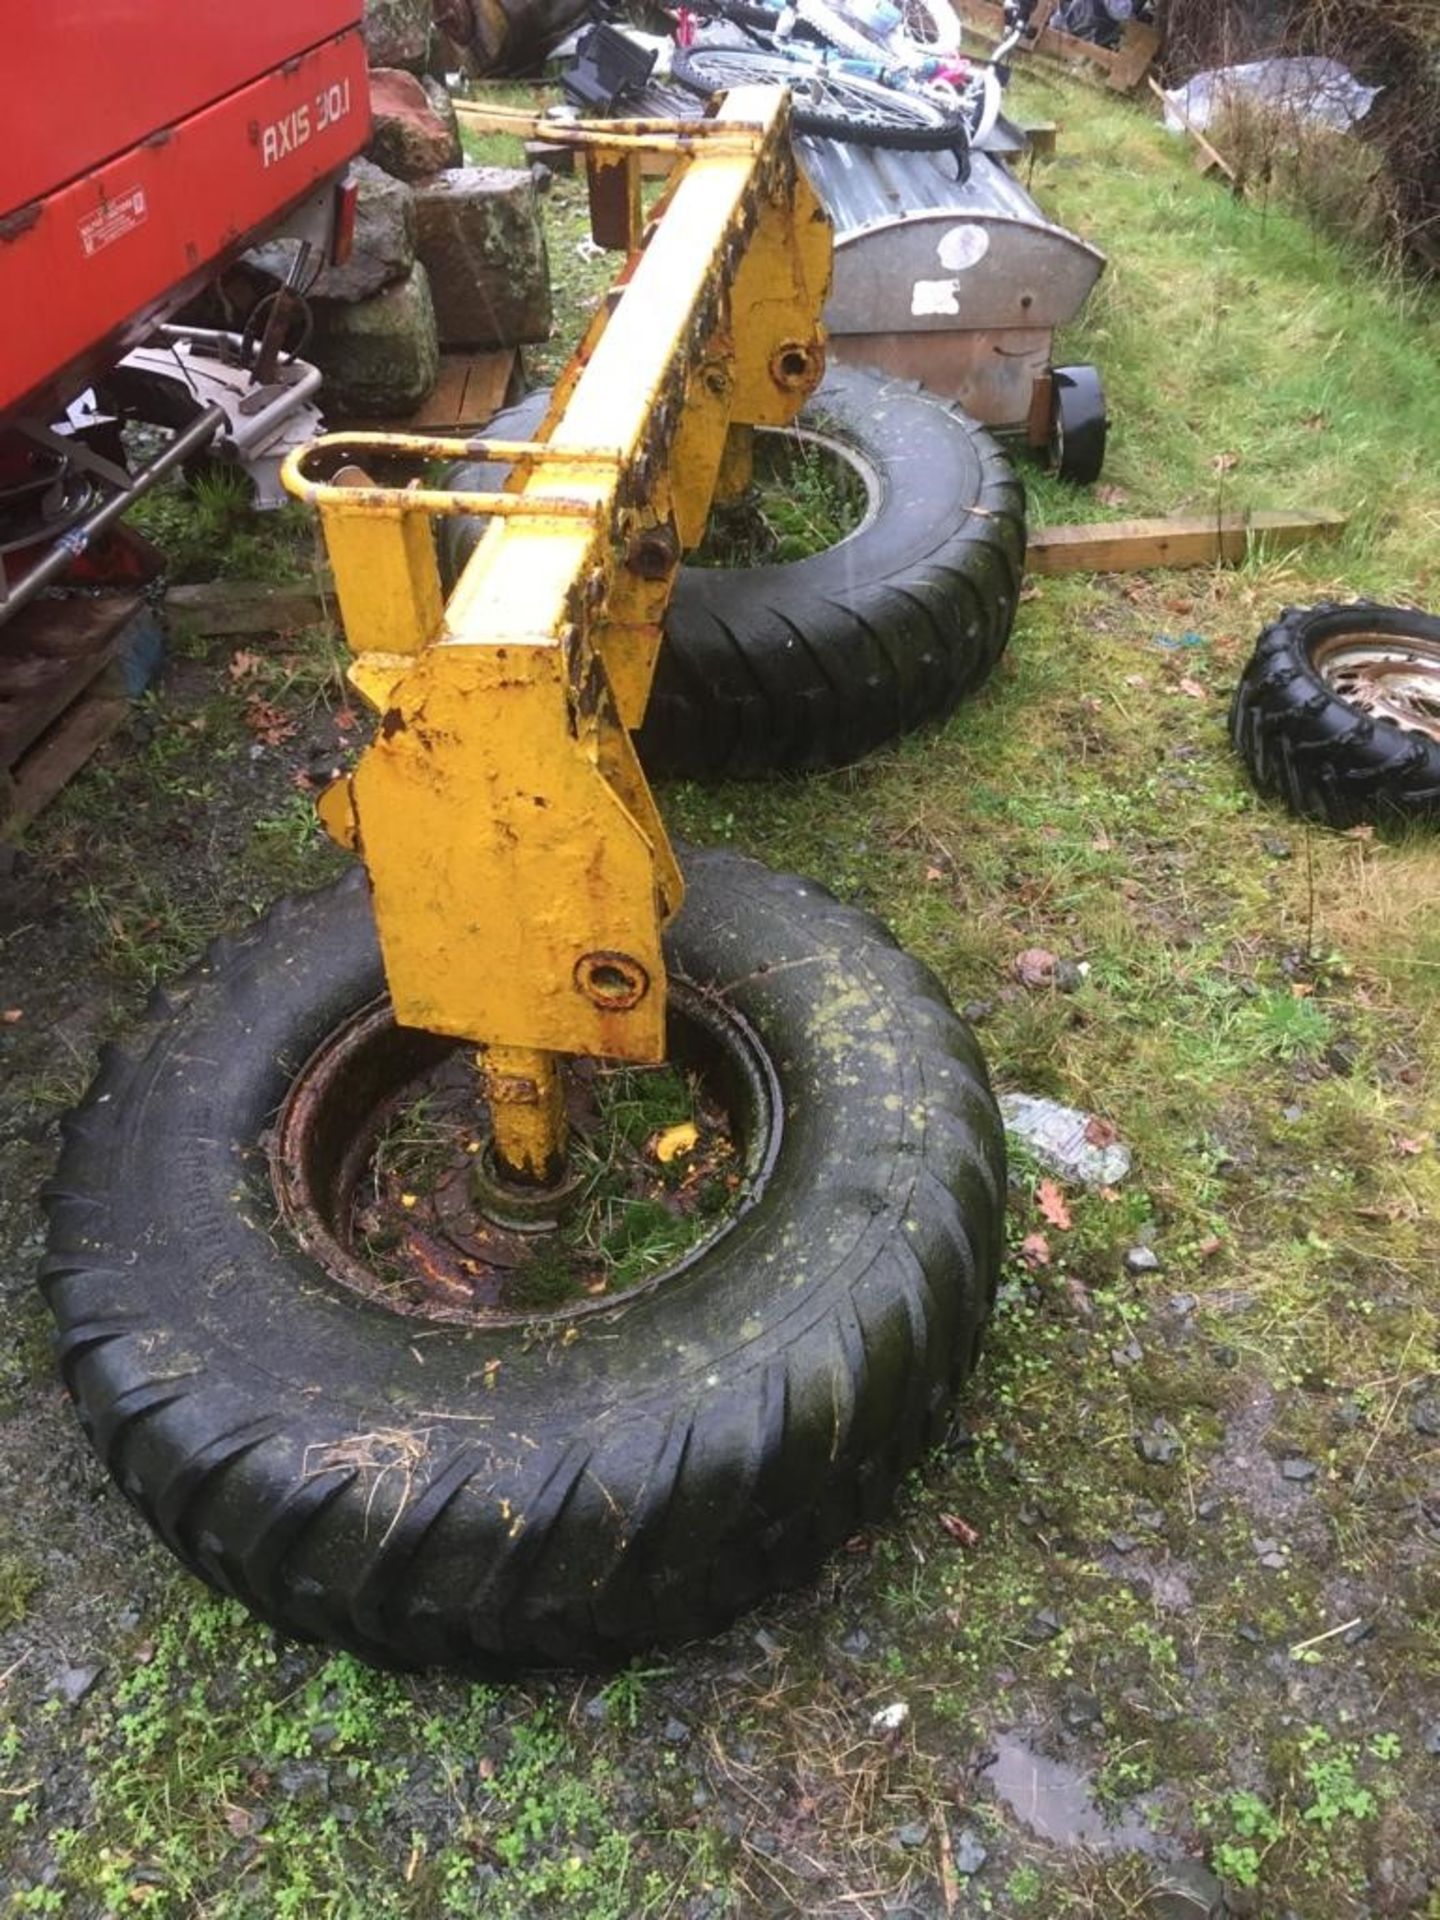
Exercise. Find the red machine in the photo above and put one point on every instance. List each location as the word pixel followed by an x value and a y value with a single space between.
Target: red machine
pixel 147 144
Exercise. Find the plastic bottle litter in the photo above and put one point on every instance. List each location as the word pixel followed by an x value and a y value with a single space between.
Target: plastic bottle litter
pixel 1055 1134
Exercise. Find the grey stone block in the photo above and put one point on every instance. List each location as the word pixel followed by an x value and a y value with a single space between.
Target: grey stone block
pixel 479 235
pixel 379 356
pixel 384 249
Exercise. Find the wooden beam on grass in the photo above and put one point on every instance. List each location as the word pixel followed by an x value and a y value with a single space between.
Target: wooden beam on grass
pixel 1202 540
pixel 216 608
pixel 1208 159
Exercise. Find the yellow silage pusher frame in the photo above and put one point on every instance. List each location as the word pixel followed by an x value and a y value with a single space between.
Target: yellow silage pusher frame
pixel 520 871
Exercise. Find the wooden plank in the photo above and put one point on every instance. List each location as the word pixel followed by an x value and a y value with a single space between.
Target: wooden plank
pixel 1041 136
pixel 49 653
pixel 1139 45
pixel 1130 546
pixel 218 607
pixel 468 389
pixel 61 752
pixel 1207 160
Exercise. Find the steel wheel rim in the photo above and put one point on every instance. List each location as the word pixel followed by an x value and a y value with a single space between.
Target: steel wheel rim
pixel 1394 677
pixel 337 1103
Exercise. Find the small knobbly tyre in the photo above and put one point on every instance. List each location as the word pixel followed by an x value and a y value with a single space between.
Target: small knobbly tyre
pixel 800 665
pixel 1338 714
pixel 569 1488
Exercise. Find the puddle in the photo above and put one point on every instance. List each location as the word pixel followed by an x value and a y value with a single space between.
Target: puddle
pixel 1055 1801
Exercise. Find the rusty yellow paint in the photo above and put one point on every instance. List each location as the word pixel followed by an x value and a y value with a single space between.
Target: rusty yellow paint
pixel 526 1097
pixel 520 870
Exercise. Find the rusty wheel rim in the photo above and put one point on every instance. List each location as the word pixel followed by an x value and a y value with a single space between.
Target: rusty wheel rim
pixel 1387 676
pixel 337 1106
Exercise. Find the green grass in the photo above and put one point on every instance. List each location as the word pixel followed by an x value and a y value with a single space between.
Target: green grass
pixel 1257 1016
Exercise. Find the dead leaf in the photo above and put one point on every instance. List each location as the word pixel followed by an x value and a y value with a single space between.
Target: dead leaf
pixel 243 664
pixel 934 874
pixel 345 718
pixel 1035 967
pixel 1409 1147
pixel 1301 989
pixel 960 1530
pixel 1136 680
pixel 674 1141
pixel 1100 1132
pixel 1035 1251
pixel 1051 1203
pixel 1194 690
pixel 240 1821
pixel 1102 843
pixel 269 723
pixel 1316 422
pixel 1225 462
pixel 1209 1246
pixel 1111 496
pixel 12 1016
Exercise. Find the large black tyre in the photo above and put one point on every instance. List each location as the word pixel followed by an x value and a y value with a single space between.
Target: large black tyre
pixel 1338 714
pixel 813 663
pixel 427 1493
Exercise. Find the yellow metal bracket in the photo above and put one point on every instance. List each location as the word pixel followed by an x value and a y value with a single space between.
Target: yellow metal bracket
pixel 520 869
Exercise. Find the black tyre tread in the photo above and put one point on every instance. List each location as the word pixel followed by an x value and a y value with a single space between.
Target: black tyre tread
pixel 1307 746
pixel 229 1484
pixel 949 132
pixel 800 667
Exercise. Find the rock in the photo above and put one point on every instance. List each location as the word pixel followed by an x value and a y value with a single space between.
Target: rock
pixel 969 1851
pixel 1183 1304
pixel 1250 1633
pixel 1130 1355
pixel 73 1683
pixel 978 1011
pixel 675 1732
pixel 384 247
pixel 1274 1562
pixel 397 32
pixel 1043 1626
pixel 1209 1509
pixel 438 94
pixel 1186 1890
pixel 1277 848
pixel 890 1719
pixel 1297 1470
pixel 1142 1260
pixel 479 235
pixel 856 1644
pixel 379 356
pixel 1425 1417
pixel 1123 1543
pixel 1081 1710
pixel 408 138
pixel 913 1835
pixel 1069 976
pixel 1056 1135
pixel 1432 1740
pixel 1160 1445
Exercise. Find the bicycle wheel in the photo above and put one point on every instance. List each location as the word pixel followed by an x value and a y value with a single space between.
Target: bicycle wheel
pixel 838 106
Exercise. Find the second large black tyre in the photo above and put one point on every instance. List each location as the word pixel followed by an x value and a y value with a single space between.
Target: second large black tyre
pixel 807 664
pixel 427 1492
pixel 1338 714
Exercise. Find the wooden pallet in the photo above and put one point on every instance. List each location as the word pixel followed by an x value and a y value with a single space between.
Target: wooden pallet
pixel 60 696
pixel 470 388
pixel 1123 68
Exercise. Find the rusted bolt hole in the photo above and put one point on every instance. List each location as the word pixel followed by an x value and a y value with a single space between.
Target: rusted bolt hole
pixel 611 980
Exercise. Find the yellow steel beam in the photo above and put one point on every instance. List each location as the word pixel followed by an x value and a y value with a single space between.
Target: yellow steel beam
pixel 520 870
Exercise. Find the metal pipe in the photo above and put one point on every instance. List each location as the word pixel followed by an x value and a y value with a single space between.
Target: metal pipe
pixel 70 545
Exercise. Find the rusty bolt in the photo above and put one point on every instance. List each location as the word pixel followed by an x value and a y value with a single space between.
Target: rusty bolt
pixel 614 982
pixel 796 366
pixel 654 553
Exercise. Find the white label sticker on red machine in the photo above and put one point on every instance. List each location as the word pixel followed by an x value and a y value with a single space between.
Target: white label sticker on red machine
pixel 112 220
